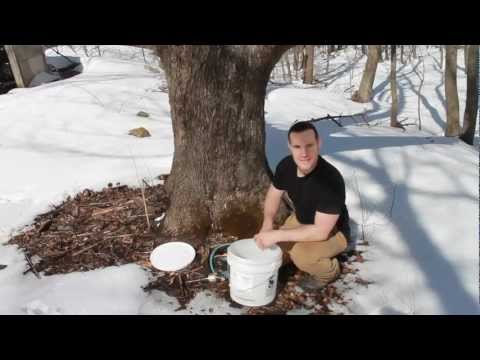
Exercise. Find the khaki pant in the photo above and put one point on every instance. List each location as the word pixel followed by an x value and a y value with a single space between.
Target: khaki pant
pixel 314 257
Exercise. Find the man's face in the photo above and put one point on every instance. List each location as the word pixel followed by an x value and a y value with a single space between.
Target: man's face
pixel 305 149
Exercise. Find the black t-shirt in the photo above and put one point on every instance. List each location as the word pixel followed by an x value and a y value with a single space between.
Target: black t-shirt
pixel 321 190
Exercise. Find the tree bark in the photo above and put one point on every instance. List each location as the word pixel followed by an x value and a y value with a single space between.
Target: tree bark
pixel 471 109
pixel 364 93
pixel 219 173
pixel 451 93
pixel 393 87
pixel 308 73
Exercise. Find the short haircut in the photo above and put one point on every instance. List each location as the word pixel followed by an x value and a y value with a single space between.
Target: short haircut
pixel 301 126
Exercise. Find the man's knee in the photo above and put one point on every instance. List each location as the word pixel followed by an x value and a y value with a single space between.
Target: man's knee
pixel 312 262
pixel 304 254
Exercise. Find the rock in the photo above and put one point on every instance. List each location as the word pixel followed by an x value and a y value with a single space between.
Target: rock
pixel 139 132
pixel 2 266
pixel 143 114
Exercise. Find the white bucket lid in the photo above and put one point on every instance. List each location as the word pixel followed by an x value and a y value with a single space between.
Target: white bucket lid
pixel 247 251
pixel 172 256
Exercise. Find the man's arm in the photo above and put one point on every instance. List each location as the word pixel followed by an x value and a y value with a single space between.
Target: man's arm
pixel 272 203
pixel 318 231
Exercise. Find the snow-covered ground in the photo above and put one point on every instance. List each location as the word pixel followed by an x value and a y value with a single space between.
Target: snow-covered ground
pixel 413 194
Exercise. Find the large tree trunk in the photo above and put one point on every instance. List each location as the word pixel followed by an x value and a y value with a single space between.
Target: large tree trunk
pixel 451 93
pixel 308 73
pixel 364 93
pixel 393 87
pixel 473 86
pixel 219 174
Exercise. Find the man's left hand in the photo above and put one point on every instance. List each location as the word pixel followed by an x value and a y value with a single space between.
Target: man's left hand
pixel 266 239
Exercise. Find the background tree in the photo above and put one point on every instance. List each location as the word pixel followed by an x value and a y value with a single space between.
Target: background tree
pixel 393 87
pixel 451 93
pixel 471 109
pixel 441 56
pixel 364 93
pixel 219 172
pixel 309 60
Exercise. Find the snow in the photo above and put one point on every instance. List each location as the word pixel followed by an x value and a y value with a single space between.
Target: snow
pixel 413 194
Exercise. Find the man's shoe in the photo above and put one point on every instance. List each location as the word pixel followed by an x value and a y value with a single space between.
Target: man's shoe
pixel 309 283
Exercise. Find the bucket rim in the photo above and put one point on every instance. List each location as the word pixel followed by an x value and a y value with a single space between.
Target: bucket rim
pixel 236 258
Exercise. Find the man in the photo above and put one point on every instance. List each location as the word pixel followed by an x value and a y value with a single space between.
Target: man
pixel 318 230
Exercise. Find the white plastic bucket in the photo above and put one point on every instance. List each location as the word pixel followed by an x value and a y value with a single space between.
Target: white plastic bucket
pixel 253 273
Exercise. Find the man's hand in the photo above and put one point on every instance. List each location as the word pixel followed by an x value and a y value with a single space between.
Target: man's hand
pixel 266 239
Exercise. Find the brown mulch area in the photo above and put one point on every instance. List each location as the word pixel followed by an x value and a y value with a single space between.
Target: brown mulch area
pixel 94 229
pixel 107 228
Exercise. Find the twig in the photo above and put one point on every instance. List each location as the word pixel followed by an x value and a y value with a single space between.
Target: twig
pixel 133 216
pixel 104 211
pixel 142 190
pixel 361 206
pixel 182 287
pixel 145 205
pixel 29 261
pixel 98 243
pixel 334 117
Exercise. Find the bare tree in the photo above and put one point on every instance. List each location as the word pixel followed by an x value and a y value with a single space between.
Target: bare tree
pixel 364 50
pixel 287 62
pixel 422 79
pixel 401 55
pixel 380 56
pixel 328 58
pixel 309 60
pixel 298 59
pixel 441 57
pixel 451 92
pixel 393 87
pixel 219 173
pixel 471 109
pixel 364 93
pixel 284 75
